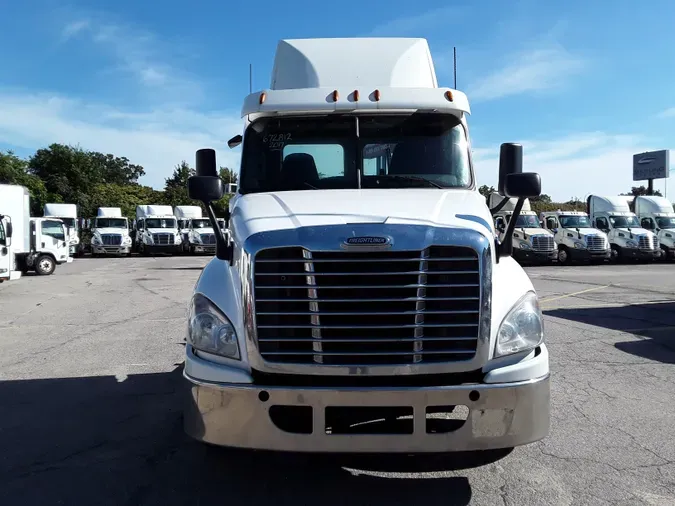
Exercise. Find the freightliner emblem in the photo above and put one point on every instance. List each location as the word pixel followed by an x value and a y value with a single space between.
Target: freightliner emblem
pixel 364 242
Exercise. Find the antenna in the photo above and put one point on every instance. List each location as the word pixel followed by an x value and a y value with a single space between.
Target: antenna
pixel 250 78
pixel 454 63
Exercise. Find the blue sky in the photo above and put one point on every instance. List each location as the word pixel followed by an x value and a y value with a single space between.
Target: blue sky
pixel 583 85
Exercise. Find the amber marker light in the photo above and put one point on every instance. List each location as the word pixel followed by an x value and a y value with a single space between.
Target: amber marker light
pixel 376 95
pixel 356 95
pixel 336 95
pixel 263 96
pixel 448 96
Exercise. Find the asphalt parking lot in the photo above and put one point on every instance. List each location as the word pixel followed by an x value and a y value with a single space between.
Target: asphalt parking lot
pixel 90 381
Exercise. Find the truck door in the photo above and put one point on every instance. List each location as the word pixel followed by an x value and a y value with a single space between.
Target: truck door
pixel 5 262
pixel 53 239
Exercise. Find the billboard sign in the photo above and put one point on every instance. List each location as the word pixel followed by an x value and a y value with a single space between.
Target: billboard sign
pixel 651 165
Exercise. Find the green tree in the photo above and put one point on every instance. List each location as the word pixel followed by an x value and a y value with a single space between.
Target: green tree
pixel 126 197
pixel 637 191
pixel 115 169
pixel 228 175
pixel 175 188
pixel 14 170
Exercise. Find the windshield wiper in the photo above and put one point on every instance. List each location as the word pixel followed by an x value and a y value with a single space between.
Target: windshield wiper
pixel 413 178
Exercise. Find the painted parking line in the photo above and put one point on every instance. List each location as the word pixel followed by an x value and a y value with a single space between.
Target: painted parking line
pixel 612 304
pixel 574 293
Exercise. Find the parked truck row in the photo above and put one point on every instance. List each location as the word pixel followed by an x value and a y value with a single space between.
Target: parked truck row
pixel 614 228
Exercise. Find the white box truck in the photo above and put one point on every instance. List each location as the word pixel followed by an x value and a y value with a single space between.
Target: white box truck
pixel 531 243
pixel 576 238
pixel 67 213
pixel 156 230
pixel 28 244
pixel 110 234
pixel 656 215
pixel 362 304
pixel 627 238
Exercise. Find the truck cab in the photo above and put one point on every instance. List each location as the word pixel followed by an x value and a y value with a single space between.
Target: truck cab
pixel 183 216
pixel 627 238
pixel 656 215
pixel 532 243
pixel 110 234
pixel 200 237
pixel 28 244
pixel 576 238
pixel 157 230
pixel 352 290
pixel 67 213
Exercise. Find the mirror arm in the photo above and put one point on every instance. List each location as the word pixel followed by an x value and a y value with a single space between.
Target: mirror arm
pixel 499 206
pixel 505 249
pixel 224 251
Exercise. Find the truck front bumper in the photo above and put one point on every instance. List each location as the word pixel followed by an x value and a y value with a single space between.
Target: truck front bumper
pixel 538 257
pixel 164 248
pixel 203 248
pixel 110 250
pixel 641 254
pixel 584 255
pixel 500 415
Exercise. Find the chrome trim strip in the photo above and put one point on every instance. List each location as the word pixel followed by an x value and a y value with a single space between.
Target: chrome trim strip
pixel 329 238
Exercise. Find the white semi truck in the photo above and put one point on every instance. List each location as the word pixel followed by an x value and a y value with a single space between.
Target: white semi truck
pixel 196 231
pixel 67 213
pixel 627 238
pixel 344 294
pixel 532 243
pixel 110 234
pixel 28 244
pixel 576 238
pixel 157 230
pixel 656 214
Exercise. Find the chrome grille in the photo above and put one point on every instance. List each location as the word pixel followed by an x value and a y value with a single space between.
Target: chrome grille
pixel 646 242
pixel 208 238
pixel 111 239
pixel 367 308
pixel 595 243
pixel 542 243
pixel 162 238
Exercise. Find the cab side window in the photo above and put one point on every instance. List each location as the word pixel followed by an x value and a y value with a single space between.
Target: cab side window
pixel 601 223
pixel 53 229
pixel 647 223
pixel 2 234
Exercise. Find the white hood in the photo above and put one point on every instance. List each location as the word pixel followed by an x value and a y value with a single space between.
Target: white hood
pixel 205 230
pixel 533 231
pixel 170 231
pixel 586 231
pixel 635 231
pixel 120 231
pixel 261 212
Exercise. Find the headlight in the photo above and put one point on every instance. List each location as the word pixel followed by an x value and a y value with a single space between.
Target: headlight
pixel 148 238
pixel 579 245
pixel 523 245
pixel 631 244
pixel 95 240
pixel 126 240
pixel 522 329
pixel 196 238
pixel 209 330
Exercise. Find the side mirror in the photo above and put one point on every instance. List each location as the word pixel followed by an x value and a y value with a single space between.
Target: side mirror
pixel 522 185
pixel 234 141
pixel 205 188
pixel 510 162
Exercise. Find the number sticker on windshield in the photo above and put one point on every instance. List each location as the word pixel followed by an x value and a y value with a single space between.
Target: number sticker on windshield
pixel 276 142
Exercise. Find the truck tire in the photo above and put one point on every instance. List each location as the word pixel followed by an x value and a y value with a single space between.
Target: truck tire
pixel 44 265
pixel 563 256
pixel 616 254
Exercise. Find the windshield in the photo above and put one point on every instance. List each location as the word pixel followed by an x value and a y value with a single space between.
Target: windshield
pixel 393 151
pixel 527 221
pixel 575 222
pixel 160 223
pixel 111 223
pixel 624 221
pixel 68 222
pixel 201 223
pixel 665 222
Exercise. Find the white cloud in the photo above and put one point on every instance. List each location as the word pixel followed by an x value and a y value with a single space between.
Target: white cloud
pixel 139 54
pixel 668 113
pixel 74 27
pixel 156 139
pixel 576 165
pixel 417 24
pixel 528 71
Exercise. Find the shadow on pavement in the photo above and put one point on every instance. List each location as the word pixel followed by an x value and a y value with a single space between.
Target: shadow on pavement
pixel 120 441
pixel 654 321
